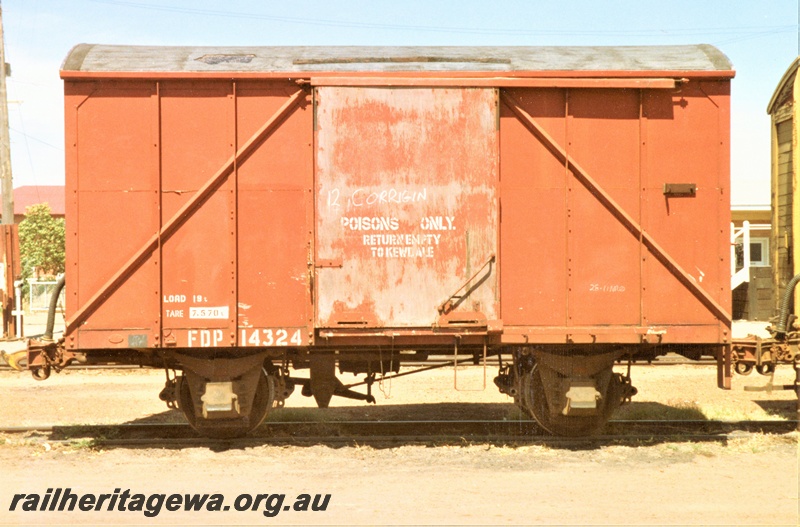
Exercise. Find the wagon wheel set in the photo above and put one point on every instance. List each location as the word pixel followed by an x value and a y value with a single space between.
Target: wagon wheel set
pixel 535 402
pixel 263 402
pixel 560 403
pixel 566 394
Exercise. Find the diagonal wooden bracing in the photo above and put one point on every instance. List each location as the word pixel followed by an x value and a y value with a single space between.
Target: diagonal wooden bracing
pixel 185 212
pixel 618 212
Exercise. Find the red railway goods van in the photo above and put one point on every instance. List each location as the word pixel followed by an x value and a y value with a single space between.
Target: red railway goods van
pixel 236 215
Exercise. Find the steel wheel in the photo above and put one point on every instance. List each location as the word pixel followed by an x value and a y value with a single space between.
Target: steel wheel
pixel 534 401
pixel 231 428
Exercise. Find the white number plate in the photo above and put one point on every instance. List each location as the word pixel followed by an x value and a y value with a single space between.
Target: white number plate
pixel 272 337
pixel 209 313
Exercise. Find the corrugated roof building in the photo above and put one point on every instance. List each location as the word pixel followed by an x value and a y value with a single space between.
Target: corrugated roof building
pixel 28 195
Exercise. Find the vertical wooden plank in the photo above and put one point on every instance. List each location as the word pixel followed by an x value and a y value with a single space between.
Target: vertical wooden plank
pixel 774 234
pixel 605 274
pixel 533 238
pixel 795 267
pixel 73 94
pixel 157 205
pixel 643 197
pixel 275 214
pixel 199 285
pixel 233 219
pixel 112 180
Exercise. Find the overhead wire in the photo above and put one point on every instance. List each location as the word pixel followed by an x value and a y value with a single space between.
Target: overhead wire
pixel 28 150
pixel 33 138
pixel 737 32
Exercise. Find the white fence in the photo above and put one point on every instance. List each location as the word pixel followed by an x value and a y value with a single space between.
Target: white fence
pixel 39 293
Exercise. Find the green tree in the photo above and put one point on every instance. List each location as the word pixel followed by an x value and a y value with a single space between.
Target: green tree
pixel 41 242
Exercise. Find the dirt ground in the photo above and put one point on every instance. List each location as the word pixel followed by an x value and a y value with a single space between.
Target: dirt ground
pixel 751 479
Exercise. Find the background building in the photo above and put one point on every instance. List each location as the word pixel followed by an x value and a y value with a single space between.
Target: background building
pixel 751 285
pixel 28 195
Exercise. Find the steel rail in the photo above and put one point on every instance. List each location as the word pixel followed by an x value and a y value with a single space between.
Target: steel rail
pixel 472 429
pixel 553 442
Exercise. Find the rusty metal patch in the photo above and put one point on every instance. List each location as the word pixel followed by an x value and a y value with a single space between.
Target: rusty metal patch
pixel 406 201
pixel 213 59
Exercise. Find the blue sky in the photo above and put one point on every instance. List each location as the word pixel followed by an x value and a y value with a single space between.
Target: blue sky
pixel 760 38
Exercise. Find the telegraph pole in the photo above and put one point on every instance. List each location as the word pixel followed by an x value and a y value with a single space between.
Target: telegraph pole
pixel 6 185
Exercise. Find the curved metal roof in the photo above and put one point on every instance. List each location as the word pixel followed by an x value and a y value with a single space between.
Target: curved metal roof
pixel 108 58
pixel 785 87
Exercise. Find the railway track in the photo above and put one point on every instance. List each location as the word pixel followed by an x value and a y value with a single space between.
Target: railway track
pixel 395 433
